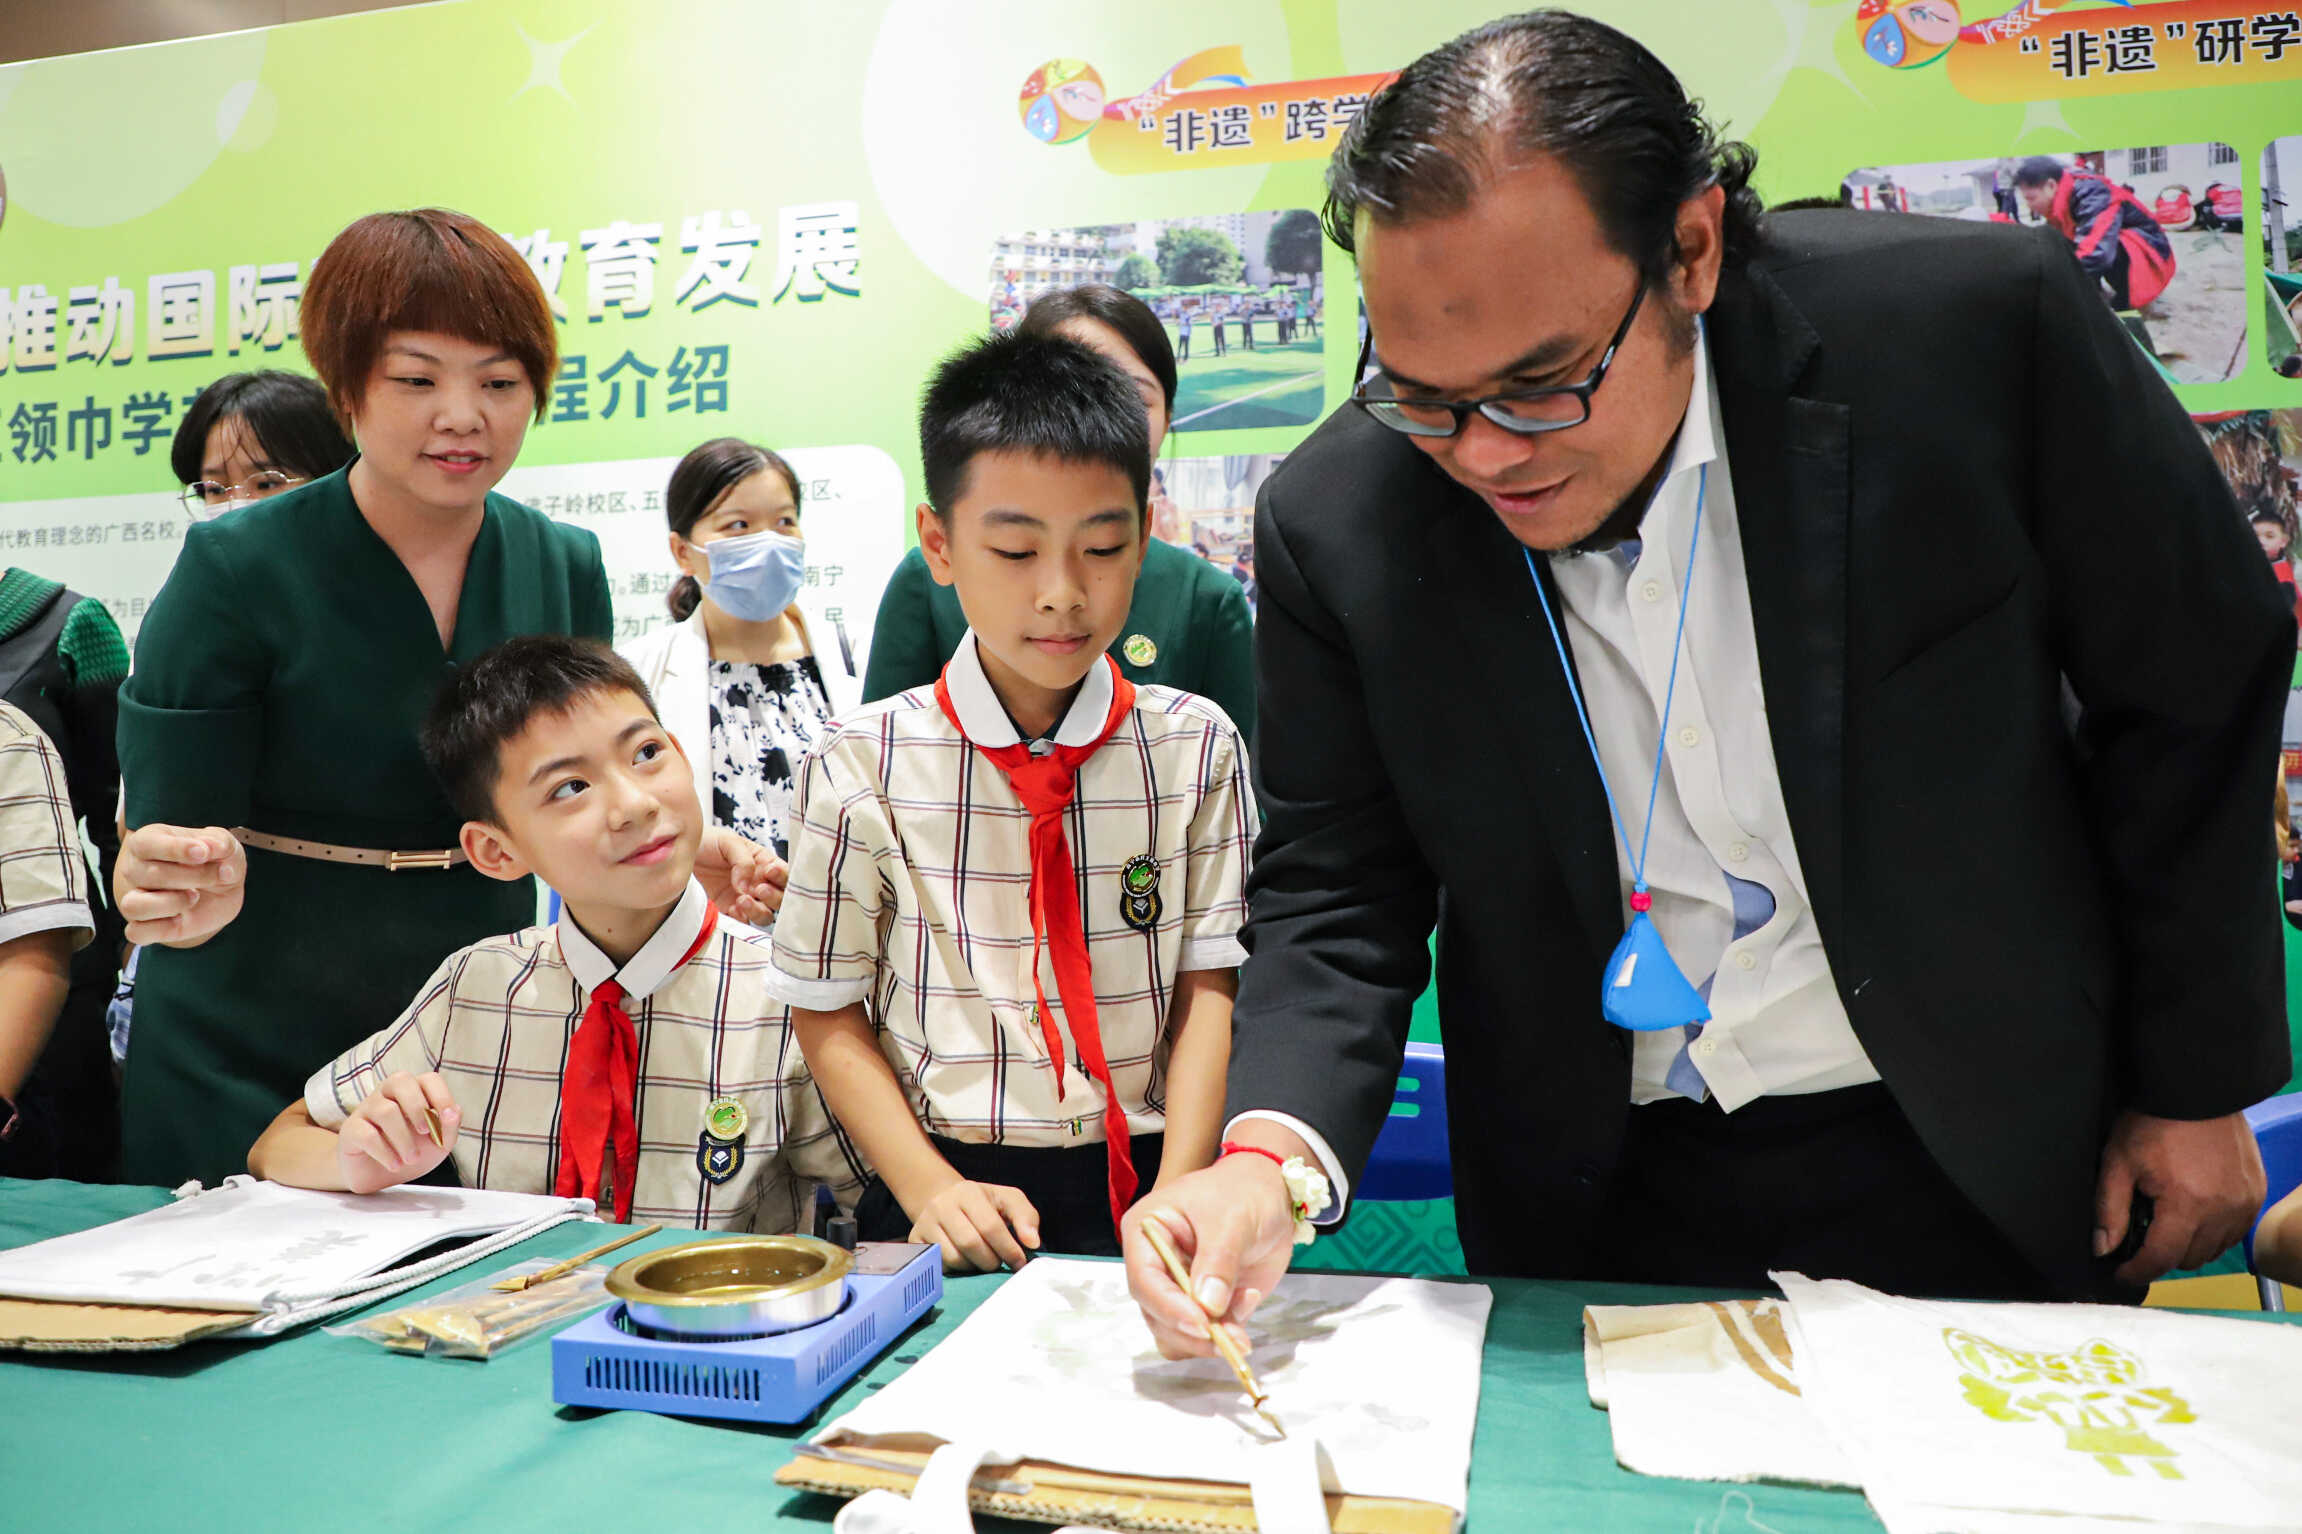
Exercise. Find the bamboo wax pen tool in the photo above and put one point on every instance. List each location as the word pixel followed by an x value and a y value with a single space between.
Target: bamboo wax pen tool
pixel 519 1281
pixel 1233 1354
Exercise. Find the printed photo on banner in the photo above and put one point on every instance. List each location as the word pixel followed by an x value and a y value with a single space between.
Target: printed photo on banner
pixel 2159 227
pixel 2260 452
pixel 120 548
pixel 1241 296
pixel 1207 505
pixel 2282 255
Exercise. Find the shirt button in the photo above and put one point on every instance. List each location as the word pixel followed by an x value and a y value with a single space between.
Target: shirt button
pixel 1738 852
pixel 1652 591
pixel 1706 1047
pixel 1690 736
pixel 1745 961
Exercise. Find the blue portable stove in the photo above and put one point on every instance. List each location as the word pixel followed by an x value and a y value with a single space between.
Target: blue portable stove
pixel 748 1328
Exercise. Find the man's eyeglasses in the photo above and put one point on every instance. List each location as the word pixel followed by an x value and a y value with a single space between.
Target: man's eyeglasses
pixel 1525 412
pixel 204 498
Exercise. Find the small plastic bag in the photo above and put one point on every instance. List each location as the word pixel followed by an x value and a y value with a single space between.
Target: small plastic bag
pixel 477 1320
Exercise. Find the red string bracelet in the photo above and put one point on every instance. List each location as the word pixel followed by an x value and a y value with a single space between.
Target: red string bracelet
pixel 1234 1148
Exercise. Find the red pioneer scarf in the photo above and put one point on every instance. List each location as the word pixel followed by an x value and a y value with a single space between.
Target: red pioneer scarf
pixel 1045 783
pixel 599 1092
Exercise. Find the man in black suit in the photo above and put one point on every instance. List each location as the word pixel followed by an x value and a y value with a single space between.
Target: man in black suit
pixel 1960 741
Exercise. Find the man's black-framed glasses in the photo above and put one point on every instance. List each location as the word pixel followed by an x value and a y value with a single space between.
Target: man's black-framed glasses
pixel 1526 412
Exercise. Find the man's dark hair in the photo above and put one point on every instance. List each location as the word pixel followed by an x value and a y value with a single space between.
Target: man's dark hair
pixel 2038 170
pixel 289 422
pixel 1126 314
pixel 491 700
pixel 1019 393
pixel 1546 83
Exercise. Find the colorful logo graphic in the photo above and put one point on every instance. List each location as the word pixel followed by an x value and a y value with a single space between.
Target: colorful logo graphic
pixel 1908 34
pixel 1199 113
pixel 1061 101
pixel 1209 68
pixel 2052 49
pixel 2044 49
pixel 1139 902
pixel 2015 22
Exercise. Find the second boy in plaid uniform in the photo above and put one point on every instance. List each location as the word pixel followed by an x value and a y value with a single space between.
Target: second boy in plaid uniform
pixel 629 1053
pixel 1011 931
pixel 44 920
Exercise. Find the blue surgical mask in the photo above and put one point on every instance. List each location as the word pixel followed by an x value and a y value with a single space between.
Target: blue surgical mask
pixel 755 577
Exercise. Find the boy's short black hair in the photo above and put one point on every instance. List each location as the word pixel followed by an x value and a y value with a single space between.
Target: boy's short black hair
pixel 2266 515
pixel 491 700
pixel 1018 393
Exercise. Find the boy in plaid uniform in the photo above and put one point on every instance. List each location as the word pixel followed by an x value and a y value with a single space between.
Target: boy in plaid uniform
pixel 629 1053
pixel 1010 937
pixel 44 920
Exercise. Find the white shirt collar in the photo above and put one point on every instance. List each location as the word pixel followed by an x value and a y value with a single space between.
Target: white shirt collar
pixel 983 718
pixel 1695 445
pixel 1697 440
pixel 657 958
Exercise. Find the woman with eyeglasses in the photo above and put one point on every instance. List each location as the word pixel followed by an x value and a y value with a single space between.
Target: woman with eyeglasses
pixel 245 438
pixel 248 436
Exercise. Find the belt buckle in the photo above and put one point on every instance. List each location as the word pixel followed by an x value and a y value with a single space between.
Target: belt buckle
pixel 402 862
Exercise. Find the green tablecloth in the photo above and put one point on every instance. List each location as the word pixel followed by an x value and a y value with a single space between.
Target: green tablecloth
pixel 311 1430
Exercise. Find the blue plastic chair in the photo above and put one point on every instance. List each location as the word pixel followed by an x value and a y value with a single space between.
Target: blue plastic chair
pixel 2277 1126
pixel 1410 1158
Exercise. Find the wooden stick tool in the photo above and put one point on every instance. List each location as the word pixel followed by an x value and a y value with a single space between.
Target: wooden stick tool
pixel 1233 1354
pixel 519 1281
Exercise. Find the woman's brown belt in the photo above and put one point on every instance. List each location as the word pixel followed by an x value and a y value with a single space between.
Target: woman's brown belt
pixel 327 852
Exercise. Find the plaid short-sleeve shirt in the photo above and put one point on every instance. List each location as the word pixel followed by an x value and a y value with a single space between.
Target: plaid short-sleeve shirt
pixel 910 883
pixel 43 873
pixel 497 1018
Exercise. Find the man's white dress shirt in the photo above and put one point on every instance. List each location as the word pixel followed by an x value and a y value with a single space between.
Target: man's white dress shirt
pixel 1729 898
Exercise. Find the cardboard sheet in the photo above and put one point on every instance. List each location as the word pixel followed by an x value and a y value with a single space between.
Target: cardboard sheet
pixel 1058 1366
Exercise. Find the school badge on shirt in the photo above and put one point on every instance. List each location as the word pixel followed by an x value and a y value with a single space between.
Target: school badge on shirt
pixel 719 1149
pixel 1139 903
pixel 1140 650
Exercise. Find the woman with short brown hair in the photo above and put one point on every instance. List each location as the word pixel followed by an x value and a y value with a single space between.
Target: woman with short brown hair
pixel 289 856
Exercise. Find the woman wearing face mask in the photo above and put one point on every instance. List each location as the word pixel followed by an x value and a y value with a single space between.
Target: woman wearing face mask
pixel 1189 626
pixel 735 677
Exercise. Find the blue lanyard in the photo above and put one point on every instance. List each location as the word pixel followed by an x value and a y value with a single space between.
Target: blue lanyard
pixel 1583 715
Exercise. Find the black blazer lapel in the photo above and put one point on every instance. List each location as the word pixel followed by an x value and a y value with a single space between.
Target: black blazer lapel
pixel 1789 458
pixel 1488 604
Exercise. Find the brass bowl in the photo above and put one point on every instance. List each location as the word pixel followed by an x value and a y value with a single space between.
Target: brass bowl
pixel 736 1286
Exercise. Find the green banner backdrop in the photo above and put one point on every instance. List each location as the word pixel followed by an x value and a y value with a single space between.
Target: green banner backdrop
pixel 768 219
